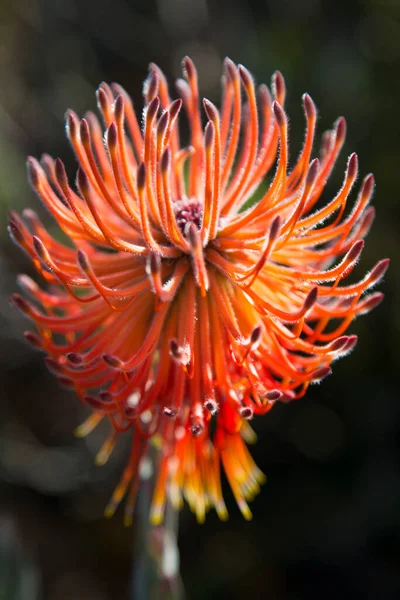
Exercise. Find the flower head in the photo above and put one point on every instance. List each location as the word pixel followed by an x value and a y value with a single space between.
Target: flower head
pixel 192 296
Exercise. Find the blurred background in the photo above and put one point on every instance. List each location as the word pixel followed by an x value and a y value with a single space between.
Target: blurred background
pixel 327 523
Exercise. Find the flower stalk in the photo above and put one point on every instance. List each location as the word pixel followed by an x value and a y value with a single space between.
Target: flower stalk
pixel 156 565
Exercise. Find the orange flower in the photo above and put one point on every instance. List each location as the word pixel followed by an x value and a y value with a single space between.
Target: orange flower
pixel 188 304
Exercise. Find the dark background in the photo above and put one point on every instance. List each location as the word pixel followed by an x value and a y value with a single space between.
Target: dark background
pixel 327 523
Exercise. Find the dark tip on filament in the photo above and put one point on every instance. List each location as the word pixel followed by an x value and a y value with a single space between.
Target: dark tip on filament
pixel 112 361
pixel 273 395
pixel 82 260
pixel 211 406
pixel 355 251
pixel 119 107
pixel 163 123
pixel 65 382
pixel 15 232
pixel 33 340
pixel 152 108
pixel 321 373
pixel 339 343
pixel 352 166
pixel 12 215
pixel 278 85
pixel 93 402
pixel 245 76
pixel 84 132
pixel 75 358
pixel 197 428
pixel 379 270
pixel 154 263
pixel 312 172
pixel 150 86
pixel 82 179
pixel 246 412
pixel 53 366
pixel 165 159
pixel 193 236
pixel 367 220
pixel 279 114
pixel 372 302
pixel 174 349
pixel 209 134
pixel 102 99
pixel 40 248
pixel 112 135
pixel 346 302
pixel 211 110
pixel 230 68
pixel 60 172
pixel 175 107
pixel 170 412
pixel 188 68
pixel 311 299
pixel 20 303
pixel 326 141
pixel 309 106
pixel 106 396
pixel 141 175
pixel 340 128
pixel 255 337
pixel 352 341
pixel 46 162
pixel 275 228
pixel 368 185
pixel 71 124
pixel 33 172
pixel 153 67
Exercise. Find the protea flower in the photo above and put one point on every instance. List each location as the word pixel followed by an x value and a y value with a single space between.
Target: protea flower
pixel 192 296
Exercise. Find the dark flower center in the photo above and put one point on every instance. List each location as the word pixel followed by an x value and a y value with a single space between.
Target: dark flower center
pixel 187 212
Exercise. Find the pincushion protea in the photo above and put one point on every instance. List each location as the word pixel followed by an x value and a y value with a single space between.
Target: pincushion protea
pixel 193 299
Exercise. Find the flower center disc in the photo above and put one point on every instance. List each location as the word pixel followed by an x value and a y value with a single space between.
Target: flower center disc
pixel 187 212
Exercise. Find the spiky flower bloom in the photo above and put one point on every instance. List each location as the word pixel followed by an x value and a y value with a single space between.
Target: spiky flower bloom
pixel 194 296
